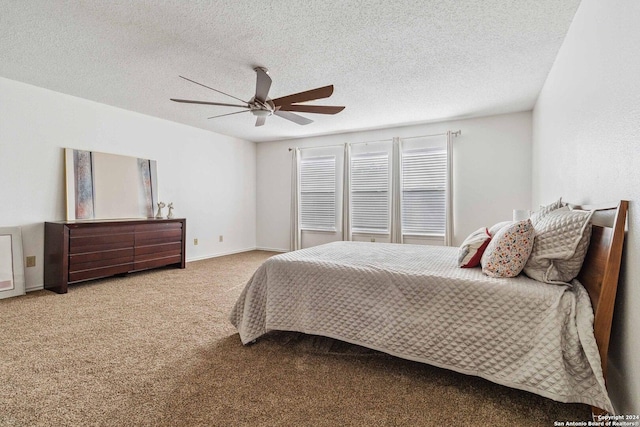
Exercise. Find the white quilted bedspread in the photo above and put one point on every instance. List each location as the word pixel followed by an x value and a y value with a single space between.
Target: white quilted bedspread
pixel 414 302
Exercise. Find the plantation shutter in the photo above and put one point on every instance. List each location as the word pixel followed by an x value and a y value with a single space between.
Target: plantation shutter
pixel 424 181
pixel 318 193
pixel 370 193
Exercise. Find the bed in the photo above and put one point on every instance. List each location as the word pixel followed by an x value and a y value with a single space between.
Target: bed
pixel 414 302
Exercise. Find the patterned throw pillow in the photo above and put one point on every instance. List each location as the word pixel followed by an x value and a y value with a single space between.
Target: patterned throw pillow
pixel 473 247
pixel 509 249
pixel 562 241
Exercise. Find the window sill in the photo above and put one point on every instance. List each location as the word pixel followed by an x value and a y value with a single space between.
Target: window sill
pixel 319 231
pixel 368 233
pixel 438 236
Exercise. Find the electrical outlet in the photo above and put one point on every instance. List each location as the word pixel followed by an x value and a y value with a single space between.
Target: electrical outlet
pixel 220 238
pixel 195 242
pixel 31 261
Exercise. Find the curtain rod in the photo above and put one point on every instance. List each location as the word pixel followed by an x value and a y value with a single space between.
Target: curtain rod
pixel 453 133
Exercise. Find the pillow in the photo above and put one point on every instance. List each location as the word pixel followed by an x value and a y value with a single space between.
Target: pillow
pixel 562 240
pixel 497 227
pixel 473 247
pixel 544 210
pixel 509 249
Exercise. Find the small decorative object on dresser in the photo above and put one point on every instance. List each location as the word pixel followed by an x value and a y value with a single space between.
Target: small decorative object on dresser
pixel 170 213
pixel 78 251
pixel 160 206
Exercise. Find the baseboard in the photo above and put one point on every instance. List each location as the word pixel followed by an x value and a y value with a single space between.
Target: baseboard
pixel 238 251
pixel 272 250
pixel 35 288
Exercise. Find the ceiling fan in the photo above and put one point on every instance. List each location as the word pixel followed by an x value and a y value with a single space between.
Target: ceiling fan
pixel 262 106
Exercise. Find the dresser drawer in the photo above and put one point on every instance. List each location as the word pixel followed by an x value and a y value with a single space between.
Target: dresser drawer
pixel 88 260
pixel 143 253
pixel 147 238
pixel 159 226
pixel 157 262
pixel 97 239
pixel 78 230
pixel 96 273
pixel 79 245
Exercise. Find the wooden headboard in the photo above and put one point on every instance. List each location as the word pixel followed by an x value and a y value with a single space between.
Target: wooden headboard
pixel 601 267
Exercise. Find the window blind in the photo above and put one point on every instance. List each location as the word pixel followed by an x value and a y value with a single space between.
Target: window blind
pixel 370 193
pixel 424 178
pixel 318 193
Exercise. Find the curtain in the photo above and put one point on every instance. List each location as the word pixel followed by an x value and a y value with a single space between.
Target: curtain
pixel 346 194
pixel 448 235
pixel 296 237
pixel 396 192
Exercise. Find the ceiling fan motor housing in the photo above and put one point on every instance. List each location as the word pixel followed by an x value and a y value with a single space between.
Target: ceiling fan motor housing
pixel 261 109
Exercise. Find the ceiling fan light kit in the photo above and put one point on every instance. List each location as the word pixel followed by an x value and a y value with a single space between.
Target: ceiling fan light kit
pixel 261 113
pixel 261 106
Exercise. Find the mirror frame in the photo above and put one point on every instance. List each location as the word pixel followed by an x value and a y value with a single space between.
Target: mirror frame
pixel 16 262
pixel 89 180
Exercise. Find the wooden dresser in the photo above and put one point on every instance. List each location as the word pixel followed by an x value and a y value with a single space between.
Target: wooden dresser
pixel 75 251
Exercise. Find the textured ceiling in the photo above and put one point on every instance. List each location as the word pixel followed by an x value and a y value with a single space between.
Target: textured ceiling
pixel 391 62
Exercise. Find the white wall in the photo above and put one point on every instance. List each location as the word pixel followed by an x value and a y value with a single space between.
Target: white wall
pixel 210 178
pixel 492 173
pixel 586 148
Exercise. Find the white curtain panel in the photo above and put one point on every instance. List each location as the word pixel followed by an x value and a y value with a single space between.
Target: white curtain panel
pixel 448 235
pixel 346 194
pixel 296 238
pixel 396 192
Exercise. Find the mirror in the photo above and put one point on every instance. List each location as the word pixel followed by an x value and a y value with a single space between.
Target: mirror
pixel 11 266
pixel 109 186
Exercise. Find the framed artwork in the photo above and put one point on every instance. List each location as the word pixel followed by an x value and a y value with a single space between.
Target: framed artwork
pixel 11 265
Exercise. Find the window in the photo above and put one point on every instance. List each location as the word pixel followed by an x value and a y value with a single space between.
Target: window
pixel 397 189
pixel 370 193
pixel 318 193
pixel 424 182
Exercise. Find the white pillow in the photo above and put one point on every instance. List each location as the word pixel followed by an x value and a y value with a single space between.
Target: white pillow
pixel 508 250
pixel 544 210
pixel 497 227
pixel 561 243
pixel 473 247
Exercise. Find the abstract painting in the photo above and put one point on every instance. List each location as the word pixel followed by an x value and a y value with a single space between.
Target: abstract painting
pixel 144 187
pixel 82 169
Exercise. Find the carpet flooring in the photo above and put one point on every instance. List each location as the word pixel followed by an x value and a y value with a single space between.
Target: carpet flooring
pixel 156 349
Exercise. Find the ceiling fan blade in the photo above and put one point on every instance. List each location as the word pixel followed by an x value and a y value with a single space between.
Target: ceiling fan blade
pixel 317 109
pixel 215 90
pixel 293 117
pixel 229 114
pixel 260 120
pixel 309 95
pixel 263 84
pixel 188 101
